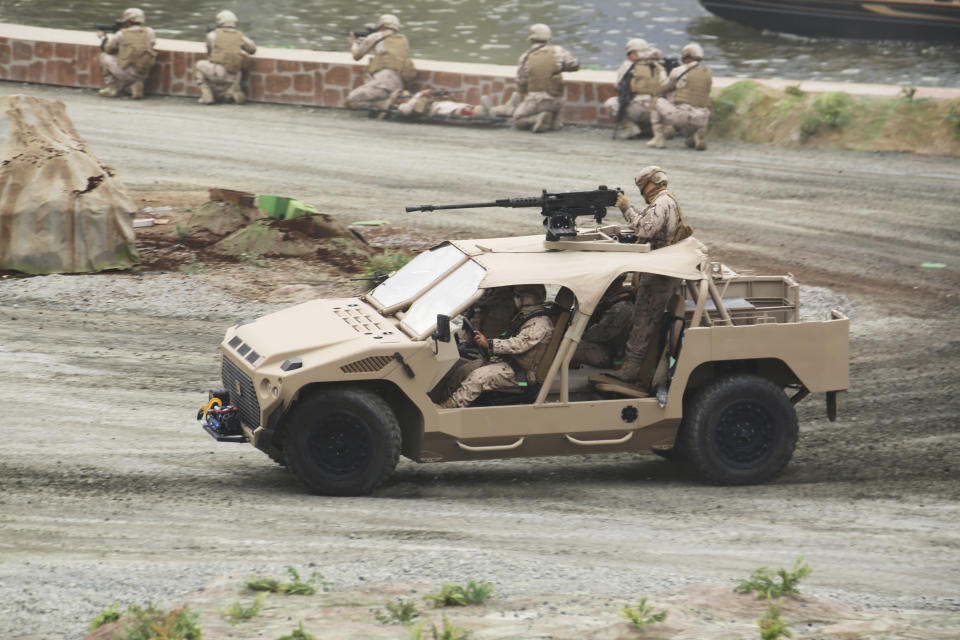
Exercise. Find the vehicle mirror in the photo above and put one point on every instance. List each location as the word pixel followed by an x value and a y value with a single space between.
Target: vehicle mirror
pixel 442 334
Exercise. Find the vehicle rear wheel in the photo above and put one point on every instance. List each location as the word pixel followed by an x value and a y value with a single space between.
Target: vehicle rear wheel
pixel 741 429
pixel 344 441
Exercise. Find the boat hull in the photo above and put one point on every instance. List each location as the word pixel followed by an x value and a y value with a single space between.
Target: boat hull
pixel 903 20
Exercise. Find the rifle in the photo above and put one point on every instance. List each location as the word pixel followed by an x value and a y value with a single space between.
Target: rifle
pixel 623 97
pixel 363 33
pixel 559 210
pixel 670 63
pixel 110 28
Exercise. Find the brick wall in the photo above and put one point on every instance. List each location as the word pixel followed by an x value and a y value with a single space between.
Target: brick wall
pixel 322 78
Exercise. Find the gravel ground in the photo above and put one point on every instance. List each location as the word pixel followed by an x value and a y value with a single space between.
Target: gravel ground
pixel 110 493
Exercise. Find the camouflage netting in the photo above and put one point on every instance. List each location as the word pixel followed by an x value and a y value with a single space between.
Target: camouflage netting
pixel 61 209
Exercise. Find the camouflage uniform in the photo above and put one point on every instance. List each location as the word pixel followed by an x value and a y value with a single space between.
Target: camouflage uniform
pixel 648 79
pixel 391 52
pixel 687 106
pixel 229 50
pixel 526 347
pixel 423 103
pixel 604 340
pixel 539 76
pixel 127 58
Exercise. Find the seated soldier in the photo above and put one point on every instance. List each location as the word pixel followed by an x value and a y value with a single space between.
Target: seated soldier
pixel 514 359
pixel 606 335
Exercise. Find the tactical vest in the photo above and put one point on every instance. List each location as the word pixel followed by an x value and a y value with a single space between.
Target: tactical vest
pixel 682 232
pixel 228 50
pixel 646 79
pixel 543 73
pixel 135 50
pixel 697 90
pixel 395 52
pixel 530 359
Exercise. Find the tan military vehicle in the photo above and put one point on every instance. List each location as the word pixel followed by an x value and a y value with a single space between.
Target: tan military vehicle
pixel 338 389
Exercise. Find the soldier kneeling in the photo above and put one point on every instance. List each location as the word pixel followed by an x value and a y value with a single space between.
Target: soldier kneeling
pixel 230 50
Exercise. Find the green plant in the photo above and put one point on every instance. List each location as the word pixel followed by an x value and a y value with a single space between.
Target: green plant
pixel 809 126
pixel 110 614
pixel 907 93
pixel 182 233
pixel 447 632
pixel 772 626
pixel 834 108
pixel 764 582
pixel 193 268
pixel 237 613
pixel 455 595
pixel 386 263
pixel 153 623
pixel 296 587
pixel 399 612
pixel 953 117
pixel 643 615
pixel 795 90
pixel 298 634
pixel 255 259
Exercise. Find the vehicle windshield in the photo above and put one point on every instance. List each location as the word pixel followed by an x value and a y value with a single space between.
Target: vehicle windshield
pixel 417 275
pixel 450 293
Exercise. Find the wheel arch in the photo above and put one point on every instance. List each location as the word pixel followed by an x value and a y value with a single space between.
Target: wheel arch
pixel 775 370
pixel 408 415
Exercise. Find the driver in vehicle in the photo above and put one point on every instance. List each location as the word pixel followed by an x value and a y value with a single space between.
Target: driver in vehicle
pixel 514 359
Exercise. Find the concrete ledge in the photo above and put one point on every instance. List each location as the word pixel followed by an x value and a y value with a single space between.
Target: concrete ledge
pixel 324 78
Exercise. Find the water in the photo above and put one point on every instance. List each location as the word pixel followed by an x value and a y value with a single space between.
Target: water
pixel 494 31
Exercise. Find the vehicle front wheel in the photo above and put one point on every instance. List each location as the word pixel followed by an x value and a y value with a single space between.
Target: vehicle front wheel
pixel 343 441
pixel 741 429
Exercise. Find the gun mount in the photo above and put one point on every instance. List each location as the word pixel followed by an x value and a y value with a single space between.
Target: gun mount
pixel 559 210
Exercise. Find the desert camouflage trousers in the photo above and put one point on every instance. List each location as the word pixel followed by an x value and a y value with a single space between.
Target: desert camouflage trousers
pixel 685 118
pixel 653 293
pixel 495 376
pixel 602 341
pixel 535 103
pixel 375 90
pixel 638 109
pixel 113 73
pixel 216 77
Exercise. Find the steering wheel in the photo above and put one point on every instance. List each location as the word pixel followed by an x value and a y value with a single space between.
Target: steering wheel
pixel 472 340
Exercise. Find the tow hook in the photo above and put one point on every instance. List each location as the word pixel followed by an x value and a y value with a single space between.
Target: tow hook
pixel 221 421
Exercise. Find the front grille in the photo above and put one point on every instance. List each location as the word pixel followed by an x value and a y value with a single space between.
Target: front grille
pixel 367 365
pixel 242 394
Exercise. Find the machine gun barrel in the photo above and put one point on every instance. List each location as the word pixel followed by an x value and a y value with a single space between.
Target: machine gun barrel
pixel 110 28
pixel 514 203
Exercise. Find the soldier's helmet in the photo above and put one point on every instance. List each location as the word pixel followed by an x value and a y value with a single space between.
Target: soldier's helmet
pixel 134 15
pixel 388 20
pixel 226 18
pixel 637 45
pixel 540 33
pixel 652 174
pixel 530 294
pixel 692 50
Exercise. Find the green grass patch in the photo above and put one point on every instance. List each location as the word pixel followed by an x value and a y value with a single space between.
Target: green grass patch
pixel 298 634
pixel 296 586
pixel 237 613
pixel 446 632
pixel 108 615
pixel 642 615
pixel 772 626
pixel 153 623
pixel 399 612
pixel 455 595
pixel 774 584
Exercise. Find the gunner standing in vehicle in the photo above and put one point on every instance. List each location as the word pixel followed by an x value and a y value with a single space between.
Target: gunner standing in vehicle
pixel 514 357
pixel 389 69
pixel 660 223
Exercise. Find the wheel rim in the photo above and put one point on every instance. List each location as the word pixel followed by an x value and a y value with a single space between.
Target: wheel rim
pixel 341 445
pixel 744 433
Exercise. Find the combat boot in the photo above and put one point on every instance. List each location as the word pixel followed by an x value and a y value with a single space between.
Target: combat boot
pixel 669 132
pixel 628 130
pixel 542 122
pixel 206 95
pixel 657 141
pixel 136 90
pixel 690 142
pixel 557 123
pixel 485 108
pixel 109 91
pixel 236 94
pixel 700 139
pixel 507 108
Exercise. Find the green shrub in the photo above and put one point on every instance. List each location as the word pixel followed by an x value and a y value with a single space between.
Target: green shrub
pixel 643 615
pixel 764 582
pixel 448 632
pixel 834 108
pixel 795 90
pixel 386 263
pixel 455 595
pixel 772 626
pixel 110 614
pixel 153 623
pixel 295 587
pixel 907 93
pixel 237 613
pixel 809 127
pixel 399 612
pixel 298 634
pixel 182 232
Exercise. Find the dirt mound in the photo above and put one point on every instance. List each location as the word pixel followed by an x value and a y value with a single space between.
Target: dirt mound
pixel 61 209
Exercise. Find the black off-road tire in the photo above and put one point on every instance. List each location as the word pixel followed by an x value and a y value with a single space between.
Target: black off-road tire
pixel 741 429
pixel 343 441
